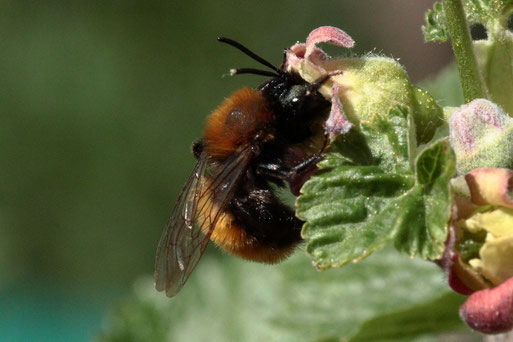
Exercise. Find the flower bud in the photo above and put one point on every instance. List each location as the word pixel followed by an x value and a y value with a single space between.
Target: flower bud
pixel 481 135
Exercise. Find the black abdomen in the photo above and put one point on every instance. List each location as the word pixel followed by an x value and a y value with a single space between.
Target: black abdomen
pixel 264 217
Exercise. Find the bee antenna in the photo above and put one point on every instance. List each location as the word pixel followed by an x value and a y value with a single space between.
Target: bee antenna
pixel 252 71
pixel 250 53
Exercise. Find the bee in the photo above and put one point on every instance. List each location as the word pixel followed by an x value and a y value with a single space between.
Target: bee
pixel 248 150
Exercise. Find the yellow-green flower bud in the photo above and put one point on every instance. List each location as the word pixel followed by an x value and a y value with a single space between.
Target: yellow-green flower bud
pixel 481 135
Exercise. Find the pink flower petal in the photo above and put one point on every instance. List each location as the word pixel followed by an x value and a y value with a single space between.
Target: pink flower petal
pixel 491 186
pixel 327 34
pixel 448 263
pixel 464 208
pixel 337 122
pixel 316 56
pixel 295 55
pixel 308 56
pixel 471 121
pixel 490 311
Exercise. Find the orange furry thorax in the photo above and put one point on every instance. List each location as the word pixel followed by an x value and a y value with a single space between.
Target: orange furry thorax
pixel 235 122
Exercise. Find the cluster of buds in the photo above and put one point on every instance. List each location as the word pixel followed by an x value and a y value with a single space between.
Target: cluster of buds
pixel 479 253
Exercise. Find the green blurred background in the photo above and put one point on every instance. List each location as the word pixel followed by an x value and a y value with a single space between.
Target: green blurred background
pixel 99 103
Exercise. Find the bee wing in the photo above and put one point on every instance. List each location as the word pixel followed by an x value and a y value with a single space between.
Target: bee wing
pixel 194 216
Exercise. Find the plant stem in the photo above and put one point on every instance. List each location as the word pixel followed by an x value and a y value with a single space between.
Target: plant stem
pixel 471 81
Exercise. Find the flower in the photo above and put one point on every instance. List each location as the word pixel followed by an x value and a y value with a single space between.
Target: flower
pixel 479 253
pixel 360 87
pixel 308 60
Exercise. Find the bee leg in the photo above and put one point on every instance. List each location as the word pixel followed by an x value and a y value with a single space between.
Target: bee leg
pixel 302 172
pixel 272 170
pixel 296 175
pixel 286 173
pixel 306 164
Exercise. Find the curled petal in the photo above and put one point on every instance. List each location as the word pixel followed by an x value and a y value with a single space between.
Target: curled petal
pixel 327 34
pixel 447 262
pixel 310 54
pixel 490 311
pixel 337 122
pixel 295 55
pixel 460 278
pixel 491 186
pixel 295 60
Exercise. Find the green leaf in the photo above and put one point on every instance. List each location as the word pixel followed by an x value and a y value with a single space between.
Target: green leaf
pixel 476 11
pixel 495 54
pixel 367 195
pixel 228 299
pixel 435 28
pixel 445 87
pixel 484 11
pixel 495 58
pixel 405 325
pixel 428 203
